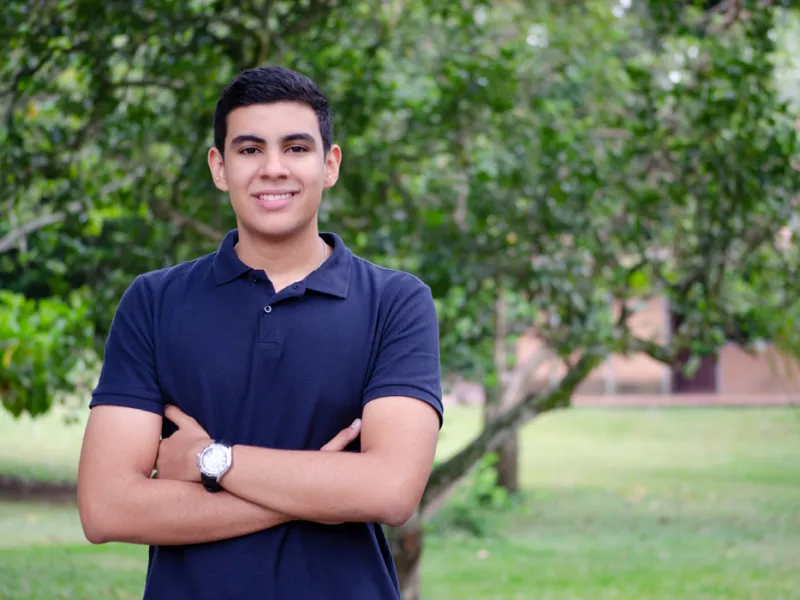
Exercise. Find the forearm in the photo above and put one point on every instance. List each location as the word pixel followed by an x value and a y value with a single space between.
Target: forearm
pixel 318 486
pixel 162 512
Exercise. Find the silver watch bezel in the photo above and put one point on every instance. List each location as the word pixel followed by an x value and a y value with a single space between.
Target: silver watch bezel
pixel 216 475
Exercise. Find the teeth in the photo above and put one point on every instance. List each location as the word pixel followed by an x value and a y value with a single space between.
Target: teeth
pixel 275 196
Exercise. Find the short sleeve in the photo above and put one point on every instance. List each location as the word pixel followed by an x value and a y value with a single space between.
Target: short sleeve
pixel 407 361
pixel 128 375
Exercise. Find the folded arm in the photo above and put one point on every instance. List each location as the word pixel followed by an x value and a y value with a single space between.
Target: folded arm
pixel 384 483
pixel 118 501
pixel 401 419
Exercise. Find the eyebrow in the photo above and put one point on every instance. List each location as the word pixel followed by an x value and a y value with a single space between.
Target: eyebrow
pixel 292 137
pixel 299 137
pixel 241 139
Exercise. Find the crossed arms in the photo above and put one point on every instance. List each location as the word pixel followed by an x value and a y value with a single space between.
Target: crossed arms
pixel 118 501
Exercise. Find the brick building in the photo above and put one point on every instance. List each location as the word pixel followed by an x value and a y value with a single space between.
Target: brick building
pixel 766 377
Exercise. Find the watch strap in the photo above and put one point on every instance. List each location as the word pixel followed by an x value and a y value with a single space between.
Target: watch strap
pixel 210 483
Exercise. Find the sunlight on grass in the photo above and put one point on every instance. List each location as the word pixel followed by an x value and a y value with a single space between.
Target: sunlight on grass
pixel 649 504
pixel 44 449
pixel 36 523
pixel 85 572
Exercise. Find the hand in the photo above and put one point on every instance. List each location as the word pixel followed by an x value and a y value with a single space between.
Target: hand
pixel 340 441
pixel 177 454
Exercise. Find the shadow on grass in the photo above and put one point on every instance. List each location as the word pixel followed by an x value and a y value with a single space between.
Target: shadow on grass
pixel 21 489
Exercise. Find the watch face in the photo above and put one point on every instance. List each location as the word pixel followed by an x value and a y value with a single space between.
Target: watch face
pixel 214 460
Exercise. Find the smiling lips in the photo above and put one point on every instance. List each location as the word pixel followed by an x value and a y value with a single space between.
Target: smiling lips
pixel 274 200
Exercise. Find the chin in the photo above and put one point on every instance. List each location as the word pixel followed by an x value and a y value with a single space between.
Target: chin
pixel 276 230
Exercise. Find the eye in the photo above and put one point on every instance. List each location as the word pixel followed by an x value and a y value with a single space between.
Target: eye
pixel 249 150
pixel 296 149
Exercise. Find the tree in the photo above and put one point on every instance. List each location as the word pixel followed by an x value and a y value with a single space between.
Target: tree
pixel 676 183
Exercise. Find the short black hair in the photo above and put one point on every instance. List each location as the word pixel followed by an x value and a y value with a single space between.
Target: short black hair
pixel 265 85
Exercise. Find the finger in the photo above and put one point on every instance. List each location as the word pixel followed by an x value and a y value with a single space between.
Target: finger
pixel 180 418
pixel 343 438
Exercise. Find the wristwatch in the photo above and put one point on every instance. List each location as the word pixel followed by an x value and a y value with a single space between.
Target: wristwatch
pixel 214 461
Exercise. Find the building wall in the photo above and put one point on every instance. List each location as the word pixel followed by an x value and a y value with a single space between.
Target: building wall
pixel 768 372
pixel 738 373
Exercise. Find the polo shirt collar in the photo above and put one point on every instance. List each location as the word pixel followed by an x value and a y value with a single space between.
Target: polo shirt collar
pixel 227 265
pixel 332 278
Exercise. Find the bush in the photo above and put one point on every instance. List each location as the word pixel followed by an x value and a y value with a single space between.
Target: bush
pixel 43 349
pixel 474 504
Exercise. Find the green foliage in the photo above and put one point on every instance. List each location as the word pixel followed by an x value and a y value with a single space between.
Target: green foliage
pixel 475 504
pixel 42 344
pixel 564 154
pixel 725 145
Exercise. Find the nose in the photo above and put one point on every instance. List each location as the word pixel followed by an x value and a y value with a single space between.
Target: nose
pixel 272 166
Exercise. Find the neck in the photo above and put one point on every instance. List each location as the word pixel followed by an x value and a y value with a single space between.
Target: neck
pixel 283 260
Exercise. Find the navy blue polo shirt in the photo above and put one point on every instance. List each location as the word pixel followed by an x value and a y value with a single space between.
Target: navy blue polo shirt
pixel 284 371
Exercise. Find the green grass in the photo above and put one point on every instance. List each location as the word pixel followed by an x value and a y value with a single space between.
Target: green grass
pixel 44 449
pixel 640 504
pixel 72 571
pixel 689 504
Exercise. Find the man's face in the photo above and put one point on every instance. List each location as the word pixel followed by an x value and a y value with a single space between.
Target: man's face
pixel 274 168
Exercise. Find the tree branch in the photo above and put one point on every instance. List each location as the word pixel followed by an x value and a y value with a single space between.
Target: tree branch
pixel 28 72
pixel 446 473
pixel 495 432
pixel 9 240
pixel 264 36
pixel 306 19
pixel 665 354
pixel 183 221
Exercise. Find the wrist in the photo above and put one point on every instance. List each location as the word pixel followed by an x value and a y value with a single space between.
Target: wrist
pixel 193 458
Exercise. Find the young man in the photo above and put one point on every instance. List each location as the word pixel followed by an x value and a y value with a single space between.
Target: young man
pixel 258 354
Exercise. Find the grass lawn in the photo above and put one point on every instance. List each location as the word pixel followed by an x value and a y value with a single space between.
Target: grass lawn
pixel 44 449
pixel 657 504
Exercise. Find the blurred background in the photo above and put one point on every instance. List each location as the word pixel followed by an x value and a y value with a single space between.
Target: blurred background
pixel 601 194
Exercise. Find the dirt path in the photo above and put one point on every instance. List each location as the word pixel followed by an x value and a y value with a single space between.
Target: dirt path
pixel 18 489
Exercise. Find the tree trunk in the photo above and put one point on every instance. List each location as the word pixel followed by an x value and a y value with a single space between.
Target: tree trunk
pixel 494 433
pixel 406 545
pixel 508 463
pixel 499 402
pixel 406 542
pixel 703 380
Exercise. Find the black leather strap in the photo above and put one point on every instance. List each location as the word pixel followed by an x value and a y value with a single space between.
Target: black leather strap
pixel 211 484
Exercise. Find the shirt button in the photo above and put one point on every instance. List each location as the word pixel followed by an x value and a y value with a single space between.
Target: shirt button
pixel 267 309
pixel 254 280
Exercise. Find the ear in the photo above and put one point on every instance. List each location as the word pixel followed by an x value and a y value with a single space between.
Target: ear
pixel 332 161
pixel 216 165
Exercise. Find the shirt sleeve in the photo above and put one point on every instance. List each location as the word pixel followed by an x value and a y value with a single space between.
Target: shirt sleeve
pixel 407 361
pixel 128 376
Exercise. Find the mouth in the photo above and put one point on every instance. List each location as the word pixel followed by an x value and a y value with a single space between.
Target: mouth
pixel 276 199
